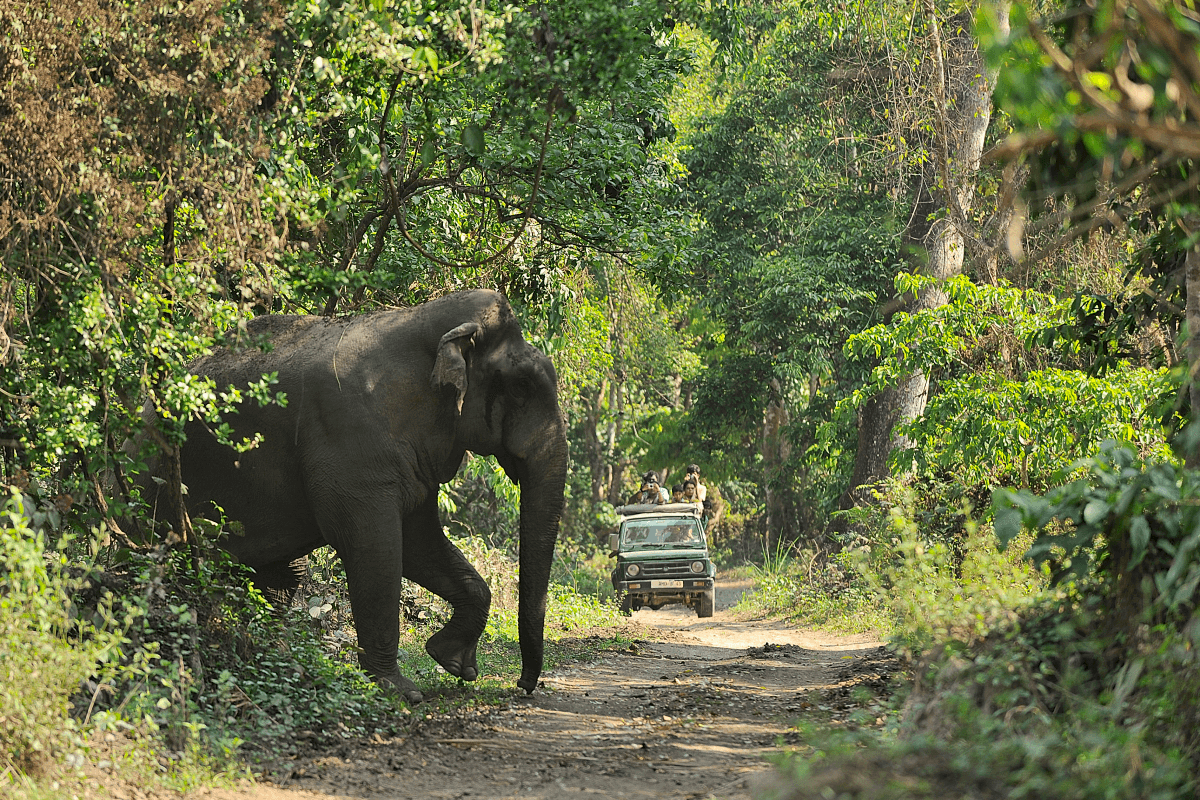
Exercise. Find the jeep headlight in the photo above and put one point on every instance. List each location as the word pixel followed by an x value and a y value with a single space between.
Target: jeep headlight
pixel 697 566
pixel 632 570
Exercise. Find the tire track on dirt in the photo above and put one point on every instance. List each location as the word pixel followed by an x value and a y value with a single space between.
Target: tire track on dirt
pixel 690 710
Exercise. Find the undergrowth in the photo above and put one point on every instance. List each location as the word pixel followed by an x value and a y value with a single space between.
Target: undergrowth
pixel 813 590
pixel 46 650
pixel 175 656
pixel 1064 666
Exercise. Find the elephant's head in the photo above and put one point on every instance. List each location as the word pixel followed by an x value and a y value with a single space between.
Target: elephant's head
pixel 504 393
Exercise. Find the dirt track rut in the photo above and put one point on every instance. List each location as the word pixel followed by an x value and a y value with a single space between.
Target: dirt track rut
pixel 690 710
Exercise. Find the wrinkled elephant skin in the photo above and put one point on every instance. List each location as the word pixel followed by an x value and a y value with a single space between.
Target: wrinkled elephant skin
pixel 380 410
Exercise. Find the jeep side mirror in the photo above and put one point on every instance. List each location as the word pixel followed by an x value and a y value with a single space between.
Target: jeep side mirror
pixel 612 542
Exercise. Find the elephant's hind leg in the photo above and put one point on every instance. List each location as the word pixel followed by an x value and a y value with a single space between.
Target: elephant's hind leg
pixel 433 562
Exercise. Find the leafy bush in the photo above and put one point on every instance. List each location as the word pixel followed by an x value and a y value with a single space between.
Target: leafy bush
pixel 936 594
pixel 217 666
pixel 1073 674
pixel 1129 527
pixel 1008 409
pixel 46 652
pixel 1093 757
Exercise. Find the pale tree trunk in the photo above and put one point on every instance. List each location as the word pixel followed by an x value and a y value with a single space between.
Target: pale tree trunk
pixel 1006 226
pixel 961 127
pixel 593 403
pixel 1192 277
pixel 775 451
pixel 616 476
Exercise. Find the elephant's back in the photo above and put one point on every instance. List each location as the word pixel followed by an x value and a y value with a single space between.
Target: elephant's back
pixel 319 348
pixel 270 341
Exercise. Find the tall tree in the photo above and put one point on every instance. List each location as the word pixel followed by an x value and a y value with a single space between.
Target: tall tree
pixel 496 144
pixel 797 248
pixel 133 223
pixel 960 86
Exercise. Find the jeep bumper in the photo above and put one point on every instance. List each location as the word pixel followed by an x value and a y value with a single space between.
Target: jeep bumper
pixel 652 586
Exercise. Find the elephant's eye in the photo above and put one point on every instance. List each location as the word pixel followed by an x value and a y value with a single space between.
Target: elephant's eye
pixel 520 387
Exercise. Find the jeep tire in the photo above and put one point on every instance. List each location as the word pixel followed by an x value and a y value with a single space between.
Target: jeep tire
pixel 704 607
pixel 627 604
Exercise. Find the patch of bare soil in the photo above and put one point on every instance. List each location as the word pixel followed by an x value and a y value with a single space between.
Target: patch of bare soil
pixel 690 710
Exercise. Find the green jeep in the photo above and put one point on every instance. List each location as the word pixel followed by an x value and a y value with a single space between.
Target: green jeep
pixel 662 558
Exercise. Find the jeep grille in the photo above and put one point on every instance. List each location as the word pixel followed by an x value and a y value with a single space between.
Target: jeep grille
pixel 658 569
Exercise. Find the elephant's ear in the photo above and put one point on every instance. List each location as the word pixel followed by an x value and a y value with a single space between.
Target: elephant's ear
pixel 450 369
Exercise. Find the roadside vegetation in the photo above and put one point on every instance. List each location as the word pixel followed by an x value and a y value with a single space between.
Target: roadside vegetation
pixel 199 680
pixel 915 286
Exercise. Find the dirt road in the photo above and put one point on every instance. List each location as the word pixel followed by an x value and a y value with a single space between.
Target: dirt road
pixel 689 711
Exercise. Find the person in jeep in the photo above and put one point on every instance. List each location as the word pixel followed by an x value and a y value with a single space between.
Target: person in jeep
pixel 650 492
pixel 688 534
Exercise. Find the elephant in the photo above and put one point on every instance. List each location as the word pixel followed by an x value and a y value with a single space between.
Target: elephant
pixel 380 410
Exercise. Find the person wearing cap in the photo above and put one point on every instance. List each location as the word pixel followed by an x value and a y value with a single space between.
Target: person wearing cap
pixel 650 492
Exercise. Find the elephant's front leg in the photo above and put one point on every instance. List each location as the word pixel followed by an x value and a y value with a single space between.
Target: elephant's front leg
pixel 373 563
pixel 433 562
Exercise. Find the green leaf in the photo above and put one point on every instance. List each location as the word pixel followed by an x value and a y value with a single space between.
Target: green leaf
pixel 1139 538
pixel 1007 519
pixel 472 139
pixel 429 56
pixel 429 152
pixel 1101 80
pixel 1095 511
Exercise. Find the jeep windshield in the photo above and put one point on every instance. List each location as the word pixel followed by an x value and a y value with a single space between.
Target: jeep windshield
pixel 661 534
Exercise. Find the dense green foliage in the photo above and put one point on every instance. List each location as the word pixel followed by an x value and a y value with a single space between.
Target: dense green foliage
pixel 797 249
pixel 44 651
pixel 1009 410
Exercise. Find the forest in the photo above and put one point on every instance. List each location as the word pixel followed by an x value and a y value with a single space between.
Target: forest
pixel 914 286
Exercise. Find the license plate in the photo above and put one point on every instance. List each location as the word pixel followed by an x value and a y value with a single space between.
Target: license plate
pixel 666 584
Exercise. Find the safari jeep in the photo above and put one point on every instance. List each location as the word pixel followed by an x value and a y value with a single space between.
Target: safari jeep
pixel 662 558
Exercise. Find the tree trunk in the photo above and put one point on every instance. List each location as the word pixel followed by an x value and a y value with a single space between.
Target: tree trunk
pixel 775 452
pixel 616 406
pixel 961 127
pixel 875 421
pixel 1192 278
pixel 591 440
pixel 177 516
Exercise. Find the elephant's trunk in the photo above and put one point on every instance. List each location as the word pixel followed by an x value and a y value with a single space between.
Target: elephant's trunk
pixel 543 479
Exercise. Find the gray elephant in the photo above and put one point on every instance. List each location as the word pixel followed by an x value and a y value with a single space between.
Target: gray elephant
pixel 380 410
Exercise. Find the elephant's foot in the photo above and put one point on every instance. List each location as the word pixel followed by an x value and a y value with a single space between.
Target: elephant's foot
pixel 528 684
pixel 394 681
pixel 408 690
pixel 456 656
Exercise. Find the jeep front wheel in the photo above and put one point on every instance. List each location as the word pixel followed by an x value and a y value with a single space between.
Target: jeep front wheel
pixel 704 608
pixel 627 604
